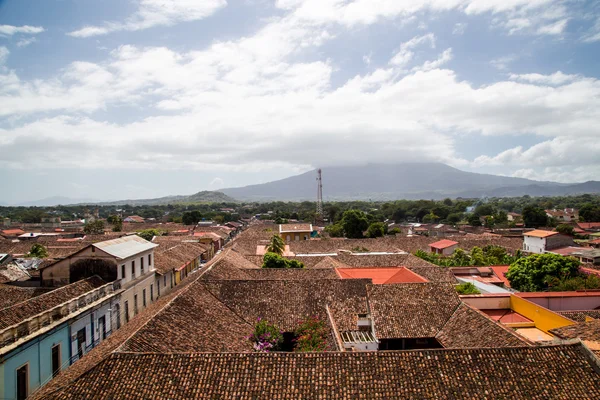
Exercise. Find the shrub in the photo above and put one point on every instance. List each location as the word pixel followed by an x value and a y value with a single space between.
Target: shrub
pixel 273 260
pixel 266 337
pixel 466 288
pixel 376 229
pixel 311 335
pixel 38 251
pixel 148 234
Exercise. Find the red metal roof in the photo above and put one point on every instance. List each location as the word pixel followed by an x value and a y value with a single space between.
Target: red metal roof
pixel 589 225
pixel 13 231
pixel 381 275
pixel 500 271
pixel 443 244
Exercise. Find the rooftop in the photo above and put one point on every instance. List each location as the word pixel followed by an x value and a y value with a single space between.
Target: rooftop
pixel 540 234
pixel 284 228
pixel 26 309
pixel 381 275
pixel 560 372
pixel 126 246
pixel 443 244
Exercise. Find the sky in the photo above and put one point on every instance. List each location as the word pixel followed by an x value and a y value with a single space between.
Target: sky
pixel 117 99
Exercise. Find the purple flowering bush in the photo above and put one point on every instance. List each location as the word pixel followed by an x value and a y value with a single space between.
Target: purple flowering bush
pixel 266 337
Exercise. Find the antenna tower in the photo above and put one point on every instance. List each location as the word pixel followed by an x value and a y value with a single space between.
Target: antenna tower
pixel 319 216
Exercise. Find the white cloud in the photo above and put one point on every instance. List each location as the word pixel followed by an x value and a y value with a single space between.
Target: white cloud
pixel 26 42
pixel 555 28
pixel 217 183
pixel 594 33
pixel 3 56
pixel 9 30
pixel 502 63
pixel 405 53
pixel 444 58
pixel 459 28
pixel 557 78
pixel 268 106
pixel 152 13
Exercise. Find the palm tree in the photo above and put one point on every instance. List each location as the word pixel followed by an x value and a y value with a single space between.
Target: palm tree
pixel 276 245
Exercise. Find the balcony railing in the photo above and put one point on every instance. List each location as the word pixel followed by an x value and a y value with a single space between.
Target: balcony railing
pixel 31 325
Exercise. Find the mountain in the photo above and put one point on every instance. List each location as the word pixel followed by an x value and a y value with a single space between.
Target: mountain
pixel 402 181
pixel 200 197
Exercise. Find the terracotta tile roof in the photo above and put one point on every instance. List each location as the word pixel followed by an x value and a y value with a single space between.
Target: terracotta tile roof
pixel 106 347
pixel 21 311
pixel 470 328
pixel 589 331
pixel 213 235
pixel 11 295
pixel 580 316
pixel 540 234
pixel 411 310
pixel 381 276
pixel 551 372
pixel 173 255
pixel 286 302
pixel 291 274
pixel 13 232
pixel 589 225
pixel 193 322
pixel 443 244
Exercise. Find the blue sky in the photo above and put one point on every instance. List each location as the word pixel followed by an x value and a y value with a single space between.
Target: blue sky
pixel 140 98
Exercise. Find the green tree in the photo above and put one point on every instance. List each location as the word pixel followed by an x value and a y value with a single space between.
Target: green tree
pixel 38 251
pixel 474 220
pixel 95 227
pixel 277 245
pixel 466 288
pixel 335 230
pixel 149 234
pixel 534 217
pixel 354 223
pixel 535 272
pixel 395 231
pixel 273 260
pixel 477 256
pixel 565 229
pixel 117 223
pixel 589 212
pixel 376 229
pixel 460 258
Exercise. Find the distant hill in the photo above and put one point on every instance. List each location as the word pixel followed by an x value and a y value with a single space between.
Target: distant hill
pixel 403 181
pixel 200 197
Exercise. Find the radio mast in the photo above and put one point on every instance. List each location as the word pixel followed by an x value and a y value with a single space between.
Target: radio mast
pixel 319 216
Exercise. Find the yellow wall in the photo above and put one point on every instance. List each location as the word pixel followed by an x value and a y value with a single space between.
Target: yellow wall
pixel 543 318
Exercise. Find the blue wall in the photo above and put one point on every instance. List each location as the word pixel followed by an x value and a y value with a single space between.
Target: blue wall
pixel 38 353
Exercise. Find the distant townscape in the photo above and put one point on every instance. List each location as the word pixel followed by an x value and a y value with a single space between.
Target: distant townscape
pixel 401 299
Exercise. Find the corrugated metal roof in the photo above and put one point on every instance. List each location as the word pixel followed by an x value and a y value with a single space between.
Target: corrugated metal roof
pixel 125 247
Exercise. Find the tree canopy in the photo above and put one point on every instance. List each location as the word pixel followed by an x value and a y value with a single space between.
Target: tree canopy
pixel 95 227
pixel 534 217
pixel 273 260
pixel 354 223
pixel 535 272
pixel 38 251
pixel 277 245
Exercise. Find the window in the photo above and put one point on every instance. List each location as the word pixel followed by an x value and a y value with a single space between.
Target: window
pixel 118 315
pixel 135 306
pixel 151 293
pixel 126 311
pixel 55 360
pixel 158 286
pixel 165 280
pixel 123 271
pixel 133 269
pixel 93 249
pixel 142 264
pixel 23 382
pixel 149 260
pixel 81 340
pixel 144 297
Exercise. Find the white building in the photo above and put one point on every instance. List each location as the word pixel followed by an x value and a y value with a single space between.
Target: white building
pixel 540 242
